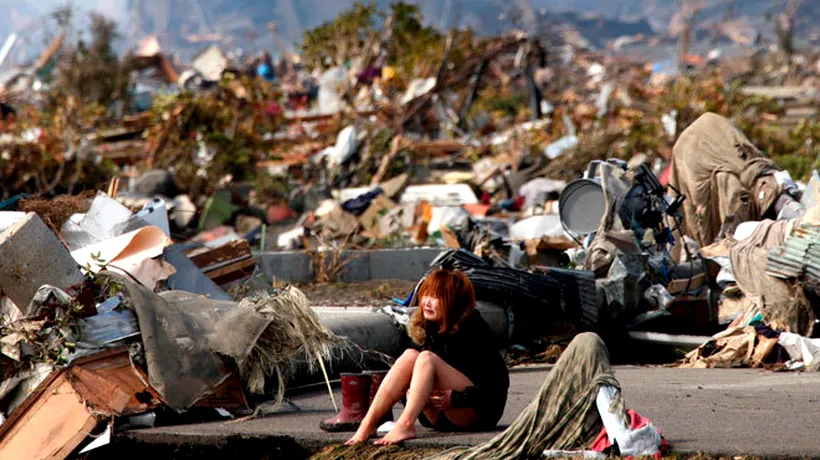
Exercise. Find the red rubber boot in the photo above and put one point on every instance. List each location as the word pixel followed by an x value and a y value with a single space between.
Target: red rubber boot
pixel 376 378
pixel 355 393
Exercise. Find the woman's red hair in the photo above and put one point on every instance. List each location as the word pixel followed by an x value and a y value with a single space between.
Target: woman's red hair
pixel 456 300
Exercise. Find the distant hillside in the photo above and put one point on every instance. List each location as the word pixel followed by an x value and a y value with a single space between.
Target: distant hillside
pixel 245 23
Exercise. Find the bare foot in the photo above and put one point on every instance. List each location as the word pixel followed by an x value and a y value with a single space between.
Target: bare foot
pixel 360 436
pixel 398 434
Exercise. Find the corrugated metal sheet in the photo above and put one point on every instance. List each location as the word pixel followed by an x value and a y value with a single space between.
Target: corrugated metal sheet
pixel 110 327
pixel 798 257
pixel 577 293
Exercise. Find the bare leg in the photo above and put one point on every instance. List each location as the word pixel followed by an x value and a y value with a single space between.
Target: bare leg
pixel 429 372
pixel 391 390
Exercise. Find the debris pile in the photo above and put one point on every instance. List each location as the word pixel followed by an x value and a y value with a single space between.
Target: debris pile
pixel 107 323
pixel 328 148
pixel 578 189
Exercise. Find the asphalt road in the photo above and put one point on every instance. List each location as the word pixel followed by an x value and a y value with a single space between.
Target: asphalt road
pixel 715 411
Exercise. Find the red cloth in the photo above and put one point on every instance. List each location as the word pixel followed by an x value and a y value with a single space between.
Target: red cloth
pixel 636 421
pixel 278 213
pixel 273 109
pixel 665 175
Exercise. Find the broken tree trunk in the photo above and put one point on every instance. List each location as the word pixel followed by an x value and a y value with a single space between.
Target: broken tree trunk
pixel 468 102
pixel 166 133
pixel 395 148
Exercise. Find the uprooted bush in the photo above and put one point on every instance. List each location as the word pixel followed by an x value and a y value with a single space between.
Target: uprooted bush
pixel 215 134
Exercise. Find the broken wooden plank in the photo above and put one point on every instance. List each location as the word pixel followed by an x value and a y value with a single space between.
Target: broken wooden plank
pixel 436 147
pixel 115 366
pixel 70 403
pixel 395 148
pixel 233 272
pixel 51 427
pixel 98 393
pixel 229 252
pixel 229 262
pixel 291 119
pixel 686 284
pixel 49 52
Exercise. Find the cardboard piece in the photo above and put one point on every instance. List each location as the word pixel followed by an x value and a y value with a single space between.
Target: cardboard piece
pixel 392 187
pixel 450 238
pixel 336 221
pixel 371 219
pixel 129 253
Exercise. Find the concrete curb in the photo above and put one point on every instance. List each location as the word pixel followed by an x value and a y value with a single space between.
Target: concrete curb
pixel 362 265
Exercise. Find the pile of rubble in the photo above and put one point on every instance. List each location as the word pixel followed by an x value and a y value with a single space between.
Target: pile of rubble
pixel 578 190
pixel 107 322
pixel 492 124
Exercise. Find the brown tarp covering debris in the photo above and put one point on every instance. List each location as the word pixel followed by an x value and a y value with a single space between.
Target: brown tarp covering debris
pixel 180 366
pixel 717 168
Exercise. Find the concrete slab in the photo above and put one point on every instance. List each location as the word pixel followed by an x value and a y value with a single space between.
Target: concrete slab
pixel 31 256
pixel 401 264
pixel 289 266
pixel 716 411
pixel 364 265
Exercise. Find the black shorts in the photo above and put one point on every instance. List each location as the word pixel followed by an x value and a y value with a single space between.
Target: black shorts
pixel 442 423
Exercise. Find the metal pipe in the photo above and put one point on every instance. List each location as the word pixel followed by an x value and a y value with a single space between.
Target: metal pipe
pixel 7 47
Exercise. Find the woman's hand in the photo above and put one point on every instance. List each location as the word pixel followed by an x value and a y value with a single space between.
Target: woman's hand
pixel 441 399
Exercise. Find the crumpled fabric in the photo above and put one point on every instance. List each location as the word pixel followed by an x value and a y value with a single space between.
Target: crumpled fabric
pixel 722 174
pixel 358 205
pixel 606 247
pixel 564 415
pixel 782 303
pixel 637 438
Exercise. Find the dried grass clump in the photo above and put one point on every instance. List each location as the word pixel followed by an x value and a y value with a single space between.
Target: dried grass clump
pixel 56 211
pixel 363 451
pixel 294 329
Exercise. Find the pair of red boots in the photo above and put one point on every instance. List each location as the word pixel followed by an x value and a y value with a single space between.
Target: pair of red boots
pixel 358 391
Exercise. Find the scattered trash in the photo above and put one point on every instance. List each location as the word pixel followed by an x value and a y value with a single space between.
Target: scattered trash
pixel 579 190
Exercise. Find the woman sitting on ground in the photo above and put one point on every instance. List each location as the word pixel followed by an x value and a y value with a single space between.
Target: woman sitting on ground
pixel 453 377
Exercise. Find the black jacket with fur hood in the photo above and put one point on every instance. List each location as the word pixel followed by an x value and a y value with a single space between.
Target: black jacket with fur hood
pixel 473 351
